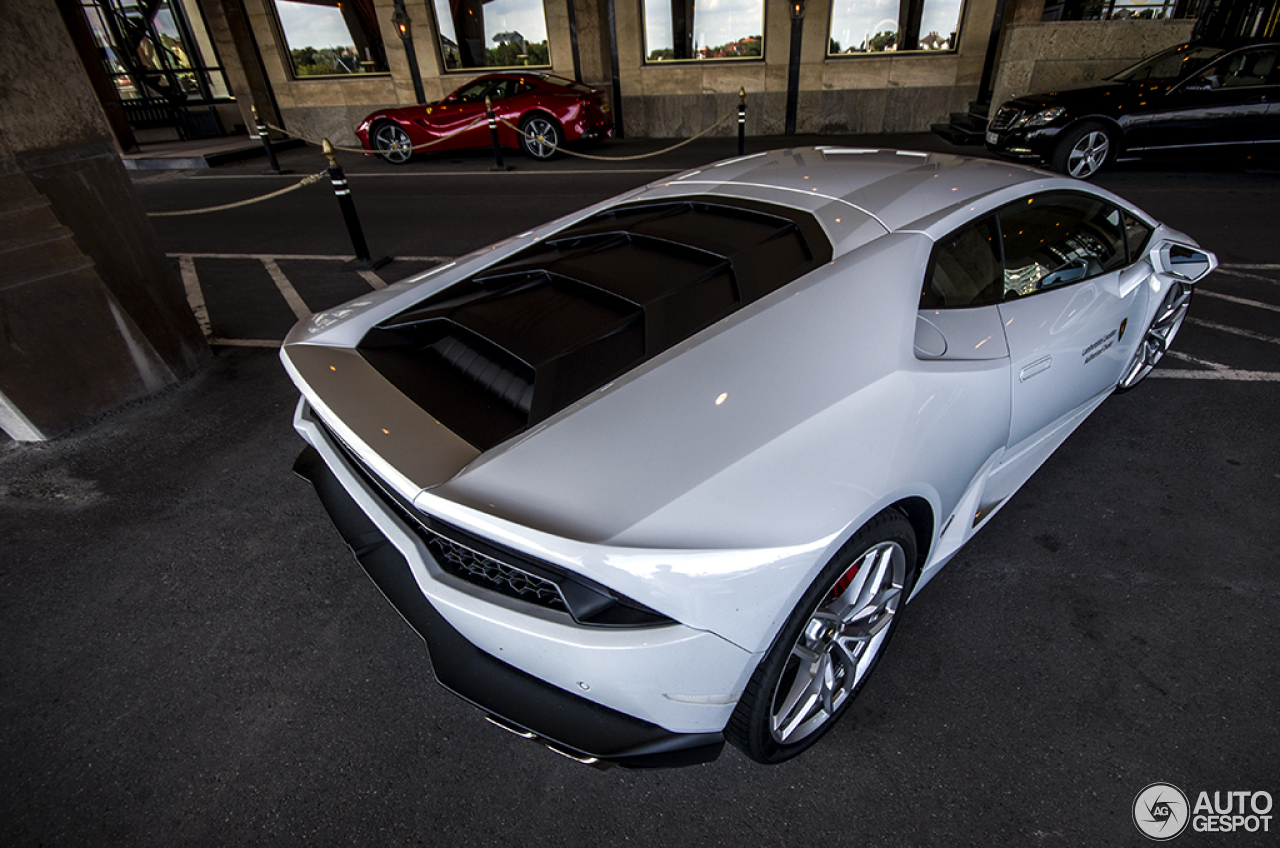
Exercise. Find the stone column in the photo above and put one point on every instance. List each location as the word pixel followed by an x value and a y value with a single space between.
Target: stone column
pixel 92 316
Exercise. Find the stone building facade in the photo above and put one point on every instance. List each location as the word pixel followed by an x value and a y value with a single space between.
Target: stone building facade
pixel 672 69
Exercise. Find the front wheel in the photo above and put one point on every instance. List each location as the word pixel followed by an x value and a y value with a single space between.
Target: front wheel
pixel 824 653
pixel 1082 151
pixel 542 136
pixel 393 143
pixel 1168 320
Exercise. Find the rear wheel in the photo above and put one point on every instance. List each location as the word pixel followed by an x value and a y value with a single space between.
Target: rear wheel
pixel 393 143
pixel 823 655
pixel 1083 151
pixel 1158 337
pixel 546 136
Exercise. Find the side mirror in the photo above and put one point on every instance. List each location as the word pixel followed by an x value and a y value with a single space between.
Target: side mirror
pixel 1185 263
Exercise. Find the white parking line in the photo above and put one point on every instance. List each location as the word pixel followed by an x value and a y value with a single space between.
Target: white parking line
pixel 1235 331
pixel 195 296
pixel 1229 374
pixel 286 288
pixel 485 173
pixel 289 257
pixel 215 341
pixel 1240 300
pixel 1244 275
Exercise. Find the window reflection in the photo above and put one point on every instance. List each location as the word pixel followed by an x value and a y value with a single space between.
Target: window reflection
pixel 1057 240
pixel 329 38
pixel 716 29
pixel 878 26
pixel 493 34
pixel 158 51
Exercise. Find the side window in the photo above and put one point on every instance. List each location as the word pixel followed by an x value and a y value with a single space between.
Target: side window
pixel 475 92
pixel 964 269
pixel 1251 67
pixel 1057 239
pixel 1136 234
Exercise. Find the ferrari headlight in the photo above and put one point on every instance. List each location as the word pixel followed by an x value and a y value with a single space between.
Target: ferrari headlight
pixel 1044 116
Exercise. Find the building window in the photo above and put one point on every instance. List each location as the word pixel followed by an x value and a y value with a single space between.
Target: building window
pixel 158 53
pixel 720 29
pixel 331 38
pixel 1111 10
pixel 492 34
pixel 879 26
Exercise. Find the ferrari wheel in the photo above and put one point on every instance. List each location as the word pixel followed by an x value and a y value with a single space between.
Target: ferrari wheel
pixel 1083 151
pixel 394 143
pixel 546 136
pixel 1159 335
pixel 829 645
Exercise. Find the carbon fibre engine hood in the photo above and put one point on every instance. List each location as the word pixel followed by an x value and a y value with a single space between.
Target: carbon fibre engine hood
pixel 651 459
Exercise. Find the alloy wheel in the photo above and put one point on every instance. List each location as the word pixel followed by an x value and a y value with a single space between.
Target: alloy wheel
pixel 1159 335
pixel 394 144
pixel 1088 154
pixel 545 137
pixel 839 644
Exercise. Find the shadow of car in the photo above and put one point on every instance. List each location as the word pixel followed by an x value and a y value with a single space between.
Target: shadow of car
pixel 1194 100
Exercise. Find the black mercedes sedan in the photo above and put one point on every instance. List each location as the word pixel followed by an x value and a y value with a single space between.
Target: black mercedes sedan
pixel 1220 98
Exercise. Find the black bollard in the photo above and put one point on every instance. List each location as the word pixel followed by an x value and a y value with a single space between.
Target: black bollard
pixel 498 164
pixel 342 191
pixel 265 136
pixel 742 121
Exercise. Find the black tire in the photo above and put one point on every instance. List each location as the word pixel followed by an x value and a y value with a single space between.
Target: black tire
pixel 547 136
pixel 1083 150
pixel 392 142
pixel 770 724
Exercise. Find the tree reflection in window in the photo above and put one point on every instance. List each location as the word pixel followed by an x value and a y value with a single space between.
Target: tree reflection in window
pixel 492 34
pixel 331 38
pixel 717 29
pixel 879 26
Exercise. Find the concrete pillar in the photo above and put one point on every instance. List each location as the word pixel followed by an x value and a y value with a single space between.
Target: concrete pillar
pixel 92 316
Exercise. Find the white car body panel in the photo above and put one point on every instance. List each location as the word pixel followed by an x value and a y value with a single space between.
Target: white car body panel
pixel 714 481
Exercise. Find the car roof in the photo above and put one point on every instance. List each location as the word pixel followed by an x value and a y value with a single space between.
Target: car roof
pixel 898 189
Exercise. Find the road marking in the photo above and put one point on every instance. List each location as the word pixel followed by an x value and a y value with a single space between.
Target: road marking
pixel 374 281
pixel 1195 360
pixel 214 340
pixel 1240 300
pixel 286 288
pixel 195 296
pixel 1229 374
pixel 1235 331
pixel 1246 266
pixel 485 173
pixel 1243 275
pixel 291 257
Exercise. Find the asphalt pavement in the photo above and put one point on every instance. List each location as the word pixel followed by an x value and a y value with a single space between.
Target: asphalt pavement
pixel 191 656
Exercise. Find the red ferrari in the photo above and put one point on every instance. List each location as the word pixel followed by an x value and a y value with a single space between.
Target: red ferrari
pixel 554 110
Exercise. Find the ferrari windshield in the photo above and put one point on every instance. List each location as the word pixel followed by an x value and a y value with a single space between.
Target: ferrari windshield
pixel 1172 64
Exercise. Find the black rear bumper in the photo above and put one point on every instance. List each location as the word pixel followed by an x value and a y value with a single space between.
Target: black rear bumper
pixel 568 724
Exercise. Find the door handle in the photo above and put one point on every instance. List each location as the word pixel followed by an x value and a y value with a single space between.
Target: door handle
pixel 1035 368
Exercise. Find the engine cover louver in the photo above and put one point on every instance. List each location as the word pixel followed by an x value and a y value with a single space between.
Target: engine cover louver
pixel 508 347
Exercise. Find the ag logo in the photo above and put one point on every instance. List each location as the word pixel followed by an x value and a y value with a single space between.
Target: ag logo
pixel 1161 812
pixel 1123 323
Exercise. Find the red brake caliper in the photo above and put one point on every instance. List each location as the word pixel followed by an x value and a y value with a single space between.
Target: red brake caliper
pixel 844 581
